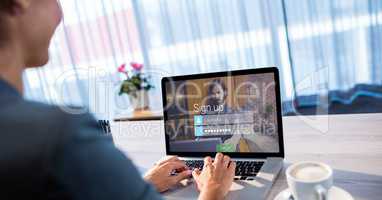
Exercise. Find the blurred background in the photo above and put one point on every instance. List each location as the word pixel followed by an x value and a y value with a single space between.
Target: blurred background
pixel 329 52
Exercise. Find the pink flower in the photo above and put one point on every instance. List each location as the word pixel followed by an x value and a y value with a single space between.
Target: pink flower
pixel 122 68
pixel 136 66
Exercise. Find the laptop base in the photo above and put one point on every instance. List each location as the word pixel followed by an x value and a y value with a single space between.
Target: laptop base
pixel 241 189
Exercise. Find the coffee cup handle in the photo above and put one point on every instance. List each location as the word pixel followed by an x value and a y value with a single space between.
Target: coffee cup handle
pixel 322 193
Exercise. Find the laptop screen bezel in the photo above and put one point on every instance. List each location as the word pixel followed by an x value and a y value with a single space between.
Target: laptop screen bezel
pixel 273 70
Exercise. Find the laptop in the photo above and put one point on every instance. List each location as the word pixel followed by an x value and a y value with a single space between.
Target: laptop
pixel 237 113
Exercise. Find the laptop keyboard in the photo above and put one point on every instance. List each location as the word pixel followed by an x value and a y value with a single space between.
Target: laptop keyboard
pixel 248 168
pixel 243 168
pixel 195 164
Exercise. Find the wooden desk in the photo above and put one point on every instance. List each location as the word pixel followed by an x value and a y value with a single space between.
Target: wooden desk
pixel 352 145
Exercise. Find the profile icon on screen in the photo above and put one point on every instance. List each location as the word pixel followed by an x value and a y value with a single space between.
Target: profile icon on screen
pixel 217 97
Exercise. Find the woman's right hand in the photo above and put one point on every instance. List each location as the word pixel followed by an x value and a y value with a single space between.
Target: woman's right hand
pixel 216 178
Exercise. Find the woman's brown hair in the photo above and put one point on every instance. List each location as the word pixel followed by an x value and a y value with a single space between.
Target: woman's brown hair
pixel 5 4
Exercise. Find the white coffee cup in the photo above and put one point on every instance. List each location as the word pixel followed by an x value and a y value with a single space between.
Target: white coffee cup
pixel 309 180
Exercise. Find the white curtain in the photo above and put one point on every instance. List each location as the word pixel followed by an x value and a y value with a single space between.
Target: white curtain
pixel 337 42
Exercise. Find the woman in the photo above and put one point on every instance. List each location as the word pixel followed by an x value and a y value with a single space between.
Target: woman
pixel 48 154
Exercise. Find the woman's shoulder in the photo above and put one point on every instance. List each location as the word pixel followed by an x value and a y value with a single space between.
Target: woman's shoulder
pixel 52 118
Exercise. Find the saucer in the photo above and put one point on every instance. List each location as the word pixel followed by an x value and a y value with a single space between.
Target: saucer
pixel 335 193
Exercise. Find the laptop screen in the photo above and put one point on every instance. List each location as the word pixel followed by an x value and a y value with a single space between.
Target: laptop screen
pixel 230 113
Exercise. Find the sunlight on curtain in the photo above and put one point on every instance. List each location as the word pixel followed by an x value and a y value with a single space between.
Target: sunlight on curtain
pixel 343 36
pixel 317 45
pixel 95 37
pixel 335 44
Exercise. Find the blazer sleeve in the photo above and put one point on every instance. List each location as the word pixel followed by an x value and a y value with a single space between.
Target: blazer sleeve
pixel 89 166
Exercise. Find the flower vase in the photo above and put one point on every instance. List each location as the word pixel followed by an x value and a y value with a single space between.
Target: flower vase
pixel 139 100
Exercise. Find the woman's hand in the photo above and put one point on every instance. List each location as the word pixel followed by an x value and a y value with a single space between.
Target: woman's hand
pixel 162 177
pixel 216 178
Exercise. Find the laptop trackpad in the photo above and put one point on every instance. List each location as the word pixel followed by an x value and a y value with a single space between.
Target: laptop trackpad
pixel 185 190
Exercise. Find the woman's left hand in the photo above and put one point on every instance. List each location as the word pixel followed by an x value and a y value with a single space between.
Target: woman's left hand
pixel 162 174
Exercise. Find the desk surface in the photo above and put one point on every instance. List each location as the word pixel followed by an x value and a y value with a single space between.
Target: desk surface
pixel 141 115
pixel 351 144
